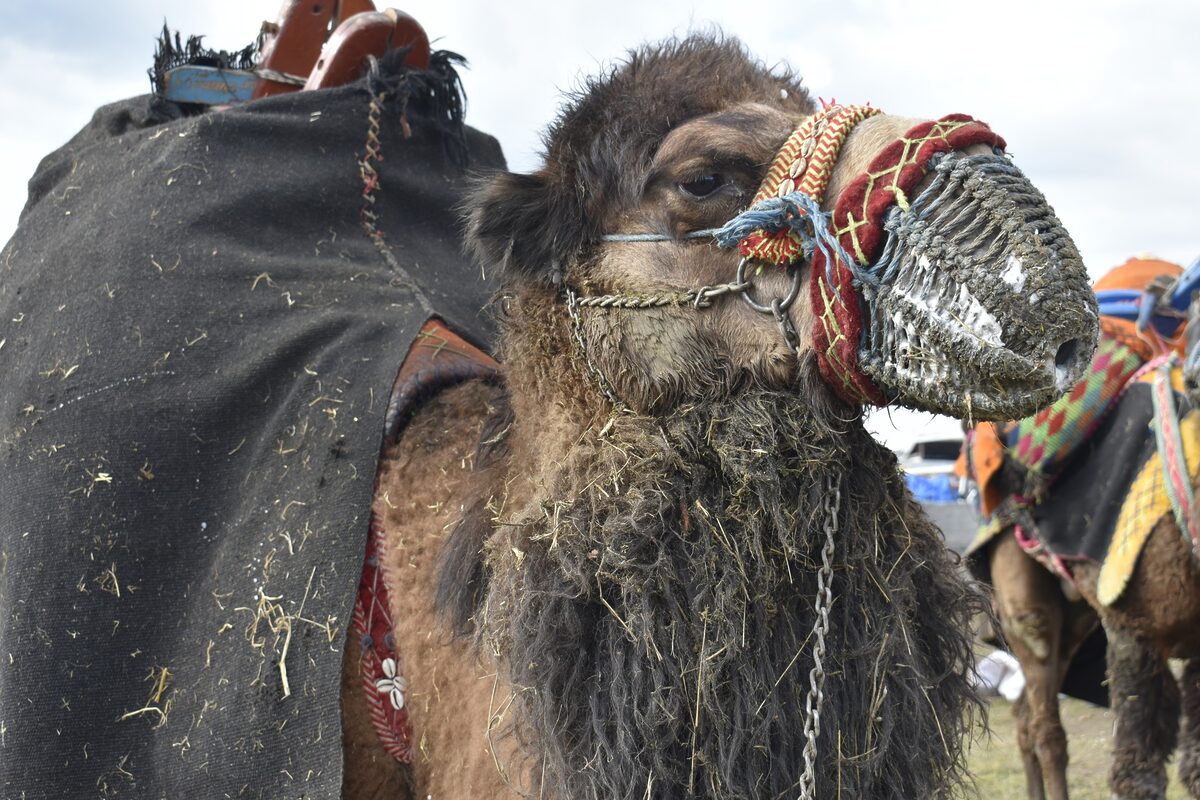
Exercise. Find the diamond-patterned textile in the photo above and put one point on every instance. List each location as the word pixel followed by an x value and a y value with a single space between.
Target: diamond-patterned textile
pixel 1044 442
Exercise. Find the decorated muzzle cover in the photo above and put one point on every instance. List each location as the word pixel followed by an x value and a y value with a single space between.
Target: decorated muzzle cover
pixel 882 262
pixel 842 250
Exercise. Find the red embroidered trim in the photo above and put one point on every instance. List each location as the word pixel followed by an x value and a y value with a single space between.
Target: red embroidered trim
pixel 382 677
pixel 837 332
pixel 893 174
pixel 858 224
pixel 1038 551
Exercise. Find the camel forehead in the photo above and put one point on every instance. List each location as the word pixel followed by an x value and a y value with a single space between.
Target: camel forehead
pixel 745 130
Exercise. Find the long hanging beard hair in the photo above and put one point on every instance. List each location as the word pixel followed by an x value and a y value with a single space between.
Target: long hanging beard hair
pixel 657 616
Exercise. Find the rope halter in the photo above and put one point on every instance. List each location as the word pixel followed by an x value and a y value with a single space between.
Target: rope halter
pixel 850 267
pixel 784 225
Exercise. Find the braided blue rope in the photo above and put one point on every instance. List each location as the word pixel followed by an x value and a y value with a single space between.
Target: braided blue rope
pixel 798 213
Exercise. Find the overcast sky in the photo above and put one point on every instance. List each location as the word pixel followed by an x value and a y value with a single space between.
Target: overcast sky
pixel 1099 101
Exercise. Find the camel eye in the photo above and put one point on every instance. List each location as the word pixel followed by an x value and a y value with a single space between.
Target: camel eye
pixel 702 187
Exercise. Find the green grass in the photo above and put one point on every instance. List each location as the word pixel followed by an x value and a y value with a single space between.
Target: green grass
pixel 997 765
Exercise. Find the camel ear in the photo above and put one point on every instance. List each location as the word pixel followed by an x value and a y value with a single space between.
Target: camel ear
pixel 524 224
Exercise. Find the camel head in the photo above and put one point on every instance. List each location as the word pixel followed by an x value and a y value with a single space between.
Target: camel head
pixel 702 226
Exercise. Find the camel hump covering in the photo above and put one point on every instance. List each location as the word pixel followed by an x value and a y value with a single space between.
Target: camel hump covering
pixel 198 343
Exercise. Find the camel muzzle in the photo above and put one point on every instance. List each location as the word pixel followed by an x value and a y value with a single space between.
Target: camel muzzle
pixel 969 300
pixel 978 304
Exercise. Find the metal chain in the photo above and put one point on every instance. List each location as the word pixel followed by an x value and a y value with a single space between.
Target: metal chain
pixel 816 675
pixel 697 298
pixel 703 298
pixel 581 346
pixel 790 337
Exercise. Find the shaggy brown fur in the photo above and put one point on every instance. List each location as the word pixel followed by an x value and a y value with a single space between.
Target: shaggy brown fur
pixel 640 583
pixel 654 606
pixel 422 483
pixel 650 588
pixel 1189 756
pixel 1145 701
pixel 599 151
pixel 1158 617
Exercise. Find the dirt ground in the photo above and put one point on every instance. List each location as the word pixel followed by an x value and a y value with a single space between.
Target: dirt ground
pixel 997 766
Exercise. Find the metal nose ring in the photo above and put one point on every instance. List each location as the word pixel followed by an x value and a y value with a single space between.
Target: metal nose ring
pixel 777 304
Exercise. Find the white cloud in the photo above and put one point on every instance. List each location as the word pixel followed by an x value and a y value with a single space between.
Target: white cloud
pixel 1100 101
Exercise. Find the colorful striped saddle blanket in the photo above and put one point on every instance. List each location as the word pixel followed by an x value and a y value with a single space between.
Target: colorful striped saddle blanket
pixel 1087 452
pixel 1045 442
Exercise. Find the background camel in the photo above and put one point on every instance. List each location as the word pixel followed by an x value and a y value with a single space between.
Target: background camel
pixel 1050 602
pixel 628 589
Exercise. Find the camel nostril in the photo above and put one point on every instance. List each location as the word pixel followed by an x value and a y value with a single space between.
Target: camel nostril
pixel 1065 357
pixel 1064 364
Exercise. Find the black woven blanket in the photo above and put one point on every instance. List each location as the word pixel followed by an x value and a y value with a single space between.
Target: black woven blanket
pixel 1079 517
pixel 197 345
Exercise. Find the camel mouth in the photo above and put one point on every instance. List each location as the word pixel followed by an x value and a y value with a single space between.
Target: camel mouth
pixel 981 306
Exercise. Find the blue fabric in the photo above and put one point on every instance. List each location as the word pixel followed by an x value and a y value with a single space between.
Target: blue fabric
pixel 932 488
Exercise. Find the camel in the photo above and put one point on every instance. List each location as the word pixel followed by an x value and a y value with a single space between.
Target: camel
pixel 661 557
pixel 1047 611
pixel 1157 618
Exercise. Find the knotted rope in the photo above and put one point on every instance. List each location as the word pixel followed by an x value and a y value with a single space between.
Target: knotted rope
pixel 785 226
pixel 795 218
pixel 785 223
